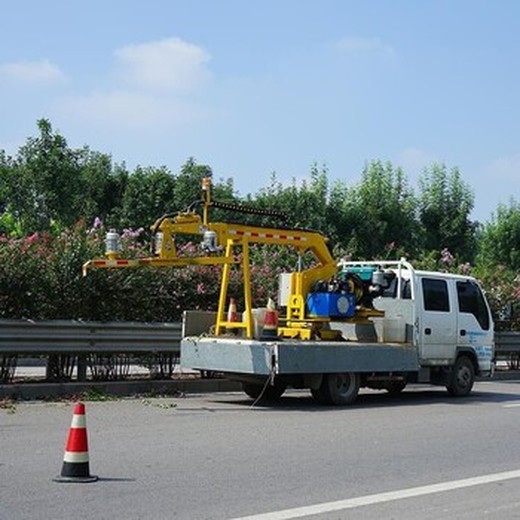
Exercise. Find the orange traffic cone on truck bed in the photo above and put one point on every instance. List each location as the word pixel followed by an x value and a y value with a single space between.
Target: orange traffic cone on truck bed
pixel 232 315
pixel 270 330
pixel 76 462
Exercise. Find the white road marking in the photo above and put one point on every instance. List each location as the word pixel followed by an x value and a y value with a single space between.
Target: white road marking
pixel 350 503
pixel 512 405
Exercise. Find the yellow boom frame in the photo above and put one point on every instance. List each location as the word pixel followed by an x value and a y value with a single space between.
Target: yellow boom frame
pixel 232 236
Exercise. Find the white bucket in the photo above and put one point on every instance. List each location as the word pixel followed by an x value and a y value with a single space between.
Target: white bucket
pixel 258 321
pixel 395 329
pixel 390 330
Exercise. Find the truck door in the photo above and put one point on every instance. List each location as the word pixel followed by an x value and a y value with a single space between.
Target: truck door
pixel 474 325
pixel 437 320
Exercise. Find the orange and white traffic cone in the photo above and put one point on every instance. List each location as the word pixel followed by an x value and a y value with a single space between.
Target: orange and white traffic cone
pixel 270 330
pixel 232 315
pixel 75 462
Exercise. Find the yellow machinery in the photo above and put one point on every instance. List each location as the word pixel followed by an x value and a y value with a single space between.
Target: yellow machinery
pixel 221 242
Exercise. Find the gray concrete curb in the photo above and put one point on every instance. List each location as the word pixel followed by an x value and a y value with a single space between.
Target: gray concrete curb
pixel 505 375
pixel 44 390
pixel 117 388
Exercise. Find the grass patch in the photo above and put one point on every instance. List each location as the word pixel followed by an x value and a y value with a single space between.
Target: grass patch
pixel 164 405
pixel 8 404
pixel 94 394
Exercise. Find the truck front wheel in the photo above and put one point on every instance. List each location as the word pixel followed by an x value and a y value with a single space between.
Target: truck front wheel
pixel 462 377
pixel 338 389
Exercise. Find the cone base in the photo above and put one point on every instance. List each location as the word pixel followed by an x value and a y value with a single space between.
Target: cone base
pixel 91 478
pixel 269 335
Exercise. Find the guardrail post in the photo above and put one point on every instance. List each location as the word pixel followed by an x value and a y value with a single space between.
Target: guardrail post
pixel 49 366
pixel 82 368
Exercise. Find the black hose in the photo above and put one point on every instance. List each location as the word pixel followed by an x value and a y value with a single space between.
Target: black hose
pixel 240 208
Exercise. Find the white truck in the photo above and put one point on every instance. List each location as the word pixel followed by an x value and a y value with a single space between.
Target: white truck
pixel 375 324
pixel 434 328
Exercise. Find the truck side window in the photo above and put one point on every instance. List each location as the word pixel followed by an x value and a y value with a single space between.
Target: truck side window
pixel 471 300
pixel 406 291
pixel 435 294
pixel 391 290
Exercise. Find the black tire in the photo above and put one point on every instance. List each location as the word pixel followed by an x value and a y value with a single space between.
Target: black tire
pixel 270 393
pixel 321 395
pixel 395 387
pixel 461 378
pixel 338 389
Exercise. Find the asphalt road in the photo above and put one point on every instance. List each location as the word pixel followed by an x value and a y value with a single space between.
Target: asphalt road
pixel 422 455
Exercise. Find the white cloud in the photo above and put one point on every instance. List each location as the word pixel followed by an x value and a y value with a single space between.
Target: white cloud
pixel 169 64
pixel 153 88
pixel 365 45
pixel 505 169
pixel 32 72
pixel 127 110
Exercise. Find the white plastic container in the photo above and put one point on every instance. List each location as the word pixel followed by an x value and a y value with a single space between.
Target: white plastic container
pixel 394 329
pixel 258 321
pixel 390 330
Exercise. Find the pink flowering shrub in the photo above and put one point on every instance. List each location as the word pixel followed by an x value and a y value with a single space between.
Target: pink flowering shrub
pixel 502 288
pixel 41 278
pixel 501 285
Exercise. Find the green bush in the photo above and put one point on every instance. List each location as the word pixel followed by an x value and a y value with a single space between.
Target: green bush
pixel 41 278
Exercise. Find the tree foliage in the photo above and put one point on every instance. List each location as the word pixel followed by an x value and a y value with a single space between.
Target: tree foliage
pixel 43 184
pixel 500 238
pixel 305 203
pixel 381 212
pixel 445 205
pixel 50 194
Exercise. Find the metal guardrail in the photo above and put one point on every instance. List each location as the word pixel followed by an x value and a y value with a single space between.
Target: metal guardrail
pixel 107 349
pixel 507 343
pixel 26 337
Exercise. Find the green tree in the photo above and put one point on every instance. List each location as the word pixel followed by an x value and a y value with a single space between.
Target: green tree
pixel 7 217
pixel 103 187
pixel 499 242
pixel 187 183
pixel 304 203
pixel 46 183
pixel 445 204
pixel 379 214
pixel 149 194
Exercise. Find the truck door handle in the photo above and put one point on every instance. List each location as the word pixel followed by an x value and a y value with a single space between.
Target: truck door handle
pixel 463 332
pixel 428 331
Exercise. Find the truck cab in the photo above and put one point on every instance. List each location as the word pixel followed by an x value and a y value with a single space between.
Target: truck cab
pixel 445 316
pixel 453 318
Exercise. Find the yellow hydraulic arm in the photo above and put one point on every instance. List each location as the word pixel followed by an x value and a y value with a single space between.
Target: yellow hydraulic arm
pixel 220 242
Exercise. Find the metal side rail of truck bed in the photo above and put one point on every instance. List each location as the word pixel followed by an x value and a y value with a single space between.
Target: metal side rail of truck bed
pixel 265 358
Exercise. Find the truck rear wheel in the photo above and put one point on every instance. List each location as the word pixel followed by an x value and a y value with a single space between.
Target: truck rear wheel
pixel 462 377
pixel 337 389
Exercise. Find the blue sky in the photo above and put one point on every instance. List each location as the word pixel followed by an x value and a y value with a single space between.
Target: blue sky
pixel 253 87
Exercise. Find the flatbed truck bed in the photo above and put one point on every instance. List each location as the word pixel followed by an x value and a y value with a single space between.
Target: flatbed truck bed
pixel 274 358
